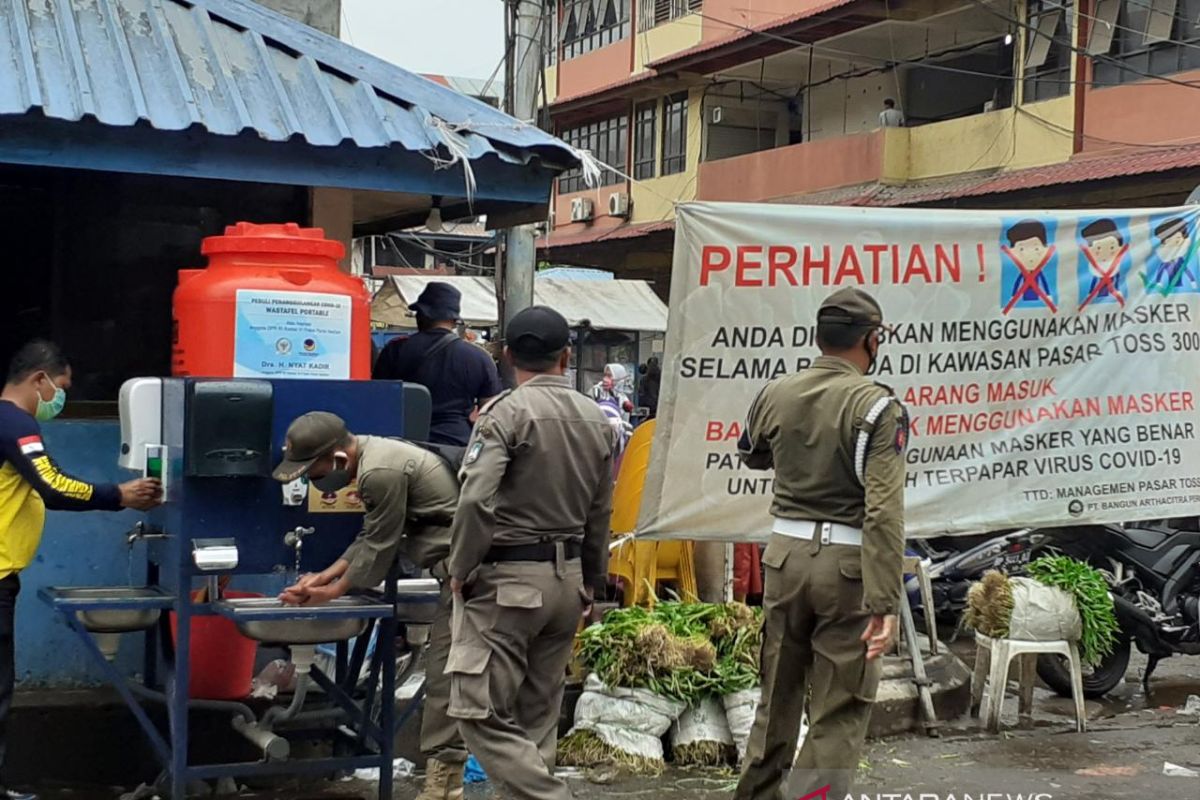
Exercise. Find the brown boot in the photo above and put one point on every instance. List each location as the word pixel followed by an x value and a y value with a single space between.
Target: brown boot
pixel 437 777
pixel 454 781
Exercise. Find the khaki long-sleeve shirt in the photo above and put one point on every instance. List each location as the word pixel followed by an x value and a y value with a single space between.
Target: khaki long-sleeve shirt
pixel 538 468
pixel 806 425
pixel 403 488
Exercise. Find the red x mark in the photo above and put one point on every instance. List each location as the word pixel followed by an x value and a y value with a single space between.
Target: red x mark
pixel 1105 277
pixel 1029 280
pixel 821 794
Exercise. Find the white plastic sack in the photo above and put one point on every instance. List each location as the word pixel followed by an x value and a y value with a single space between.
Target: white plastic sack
pixel 1042 613
pixel 631 720
pixel 703 722
pixel 740 708
pixel 739 715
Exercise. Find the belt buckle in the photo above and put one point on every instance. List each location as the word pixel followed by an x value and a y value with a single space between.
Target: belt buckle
pixel 826 533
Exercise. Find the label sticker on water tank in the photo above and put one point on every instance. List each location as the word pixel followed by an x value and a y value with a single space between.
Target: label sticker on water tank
pixel 291 335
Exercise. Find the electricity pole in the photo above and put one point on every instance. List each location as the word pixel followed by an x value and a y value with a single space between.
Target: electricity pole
pixel 524 71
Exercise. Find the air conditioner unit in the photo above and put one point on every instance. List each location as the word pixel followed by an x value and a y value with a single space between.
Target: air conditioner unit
pixel 581 209
pixel 618 205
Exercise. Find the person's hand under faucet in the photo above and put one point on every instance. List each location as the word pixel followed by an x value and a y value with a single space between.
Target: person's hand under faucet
pixel 316 588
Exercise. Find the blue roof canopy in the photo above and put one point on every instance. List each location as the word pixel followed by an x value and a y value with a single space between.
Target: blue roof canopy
pixel 230 89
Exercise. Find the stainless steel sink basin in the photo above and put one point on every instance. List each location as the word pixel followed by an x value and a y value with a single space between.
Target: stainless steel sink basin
pixel 142 606
pixel 266 619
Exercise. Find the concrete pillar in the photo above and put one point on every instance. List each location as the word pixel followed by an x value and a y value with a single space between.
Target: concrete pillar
pixel 333 210
pixel 324 15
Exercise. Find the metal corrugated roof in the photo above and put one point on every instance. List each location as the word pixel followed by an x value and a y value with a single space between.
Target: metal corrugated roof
pixel 232 66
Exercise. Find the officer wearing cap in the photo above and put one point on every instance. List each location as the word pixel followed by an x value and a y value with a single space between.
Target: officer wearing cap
pixel 460 378
pixel 409 494
pixel 833 563
pixel 529 543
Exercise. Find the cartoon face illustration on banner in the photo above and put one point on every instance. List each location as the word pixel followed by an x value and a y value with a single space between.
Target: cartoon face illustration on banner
pixel 1029 276
pixel 1104 261
pixel 1172 267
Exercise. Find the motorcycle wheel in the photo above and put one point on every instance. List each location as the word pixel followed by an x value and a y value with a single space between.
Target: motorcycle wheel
pixel 1102 679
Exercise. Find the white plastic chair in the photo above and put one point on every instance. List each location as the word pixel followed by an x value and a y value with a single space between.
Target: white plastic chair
pixel 992 660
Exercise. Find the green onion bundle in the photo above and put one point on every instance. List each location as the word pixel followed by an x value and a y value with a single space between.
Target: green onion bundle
pixel 1090 592
pixel 683 651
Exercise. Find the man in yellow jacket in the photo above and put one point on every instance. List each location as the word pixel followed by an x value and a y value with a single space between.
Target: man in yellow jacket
pixel 30 482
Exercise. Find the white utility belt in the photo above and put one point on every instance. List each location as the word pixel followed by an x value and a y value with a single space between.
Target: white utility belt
pixel 826 532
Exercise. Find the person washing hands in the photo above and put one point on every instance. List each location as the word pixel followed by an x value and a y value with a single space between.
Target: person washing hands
pixel 410 494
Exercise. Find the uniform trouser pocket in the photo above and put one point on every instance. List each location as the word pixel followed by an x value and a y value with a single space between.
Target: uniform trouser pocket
pixel 862 680
pixel 470 695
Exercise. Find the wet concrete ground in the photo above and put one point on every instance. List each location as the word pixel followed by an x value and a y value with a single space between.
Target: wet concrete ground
pixel 1130 737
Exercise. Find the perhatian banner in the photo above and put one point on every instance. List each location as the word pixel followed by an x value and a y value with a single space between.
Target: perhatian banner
pixel 1049 360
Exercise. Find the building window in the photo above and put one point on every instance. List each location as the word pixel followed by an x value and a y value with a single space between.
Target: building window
pixel 550 33
pixel 674 134
pixel 656 12
pixel 608 141
pixel 1048 49
pixel 644 139
pixel 1131 40
pixel 588 25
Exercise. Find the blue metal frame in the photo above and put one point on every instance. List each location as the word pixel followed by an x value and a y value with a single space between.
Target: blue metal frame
pixel 250 510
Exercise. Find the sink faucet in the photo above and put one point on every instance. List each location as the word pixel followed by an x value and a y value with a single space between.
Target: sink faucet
pixel 138 531
pixel 295 537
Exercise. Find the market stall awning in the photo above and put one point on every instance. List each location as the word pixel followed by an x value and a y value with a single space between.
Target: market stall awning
pixel 229 89
pixel 607 305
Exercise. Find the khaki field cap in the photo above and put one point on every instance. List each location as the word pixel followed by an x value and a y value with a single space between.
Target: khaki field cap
pixel 850 306
pixel 309 437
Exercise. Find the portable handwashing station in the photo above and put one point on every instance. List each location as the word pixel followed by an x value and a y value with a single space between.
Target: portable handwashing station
pixel 213 443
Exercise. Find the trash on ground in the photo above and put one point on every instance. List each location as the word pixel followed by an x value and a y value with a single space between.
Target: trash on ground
pixel 1192 707
pixel 401 768
pixel 1176 771
pixel 474 771
pixel 1108 771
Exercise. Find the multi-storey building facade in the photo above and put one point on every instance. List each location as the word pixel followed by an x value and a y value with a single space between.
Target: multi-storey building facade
pixel 1030 103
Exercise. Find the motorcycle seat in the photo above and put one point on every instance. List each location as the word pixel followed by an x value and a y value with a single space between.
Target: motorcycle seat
pixel 1145 538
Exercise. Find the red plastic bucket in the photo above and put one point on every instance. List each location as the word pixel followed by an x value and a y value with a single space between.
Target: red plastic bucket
pixel 222 660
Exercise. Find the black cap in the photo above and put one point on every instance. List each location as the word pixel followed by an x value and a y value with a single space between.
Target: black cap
pixel 850 306
pixel 439 301
pixel 538 331
pixel 309 437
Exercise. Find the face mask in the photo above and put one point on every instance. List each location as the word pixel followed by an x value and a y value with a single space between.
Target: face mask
pixel 47 411
pixel 871 355
pixel 335 480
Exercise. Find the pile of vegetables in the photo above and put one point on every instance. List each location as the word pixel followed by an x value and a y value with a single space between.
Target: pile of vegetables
pixel 990 603
pixel 586 749
pixel 684 651
pixel 1090 592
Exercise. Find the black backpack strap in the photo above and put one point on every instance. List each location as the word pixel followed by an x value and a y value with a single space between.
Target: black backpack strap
pixel 438 346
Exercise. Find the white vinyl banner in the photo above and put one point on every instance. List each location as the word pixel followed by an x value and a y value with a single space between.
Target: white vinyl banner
pixel 1050 361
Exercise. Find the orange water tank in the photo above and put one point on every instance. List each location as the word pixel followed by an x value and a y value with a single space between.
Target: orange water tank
pixel 271 303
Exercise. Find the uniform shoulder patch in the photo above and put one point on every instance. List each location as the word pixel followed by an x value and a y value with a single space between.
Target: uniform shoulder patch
pixel 902 426
pixel 885 387
pixel 473 453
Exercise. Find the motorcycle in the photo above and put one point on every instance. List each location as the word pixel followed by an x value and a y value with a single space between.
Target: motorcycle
pixel 1153 571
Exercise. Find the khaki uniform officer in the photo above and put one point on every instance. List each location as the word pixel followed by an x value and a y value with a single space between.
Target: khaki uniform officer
pixel 833 563
pixel 409 494
pixel 530 542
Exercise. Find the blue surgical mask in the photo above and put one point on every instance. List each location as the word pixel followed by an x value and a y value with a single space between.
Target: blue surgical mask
pixel 48 410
